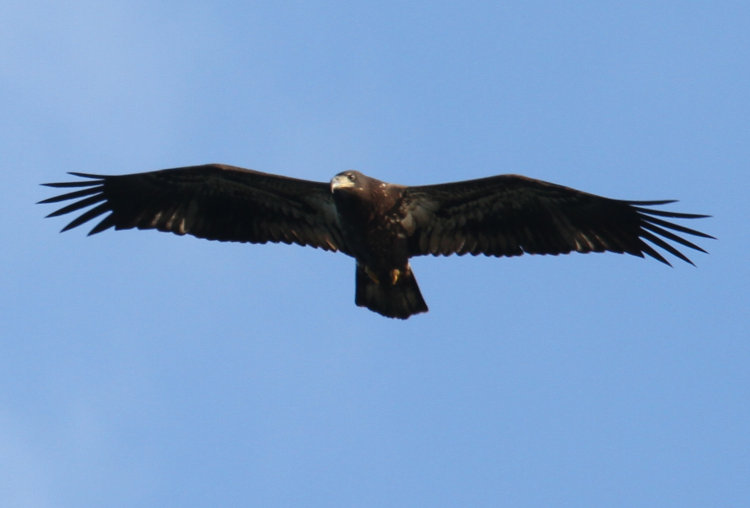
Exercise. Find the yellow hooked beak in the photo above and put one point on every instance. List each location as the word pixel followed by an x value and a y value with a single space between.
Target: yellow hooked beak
pixel 341 182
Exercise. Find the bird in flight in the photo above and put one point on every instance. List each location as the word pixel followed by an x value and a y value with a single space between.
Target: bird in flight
pixel 381 225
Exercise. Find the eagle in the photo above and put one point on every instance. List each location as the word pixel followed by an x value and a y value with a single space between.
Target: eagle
pixel 381 225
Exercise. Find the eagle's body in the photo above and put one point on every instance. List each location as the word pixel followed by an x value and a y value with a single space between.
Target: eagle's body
pixel 374 222
pixel 380 224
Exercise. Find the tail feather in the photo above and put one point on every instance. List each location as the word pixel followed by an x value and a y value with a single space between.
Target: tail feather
pixel 399 299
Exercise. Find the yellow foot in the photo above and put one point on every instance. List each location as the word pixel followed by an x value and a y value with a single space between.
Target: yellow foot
pixel 395 274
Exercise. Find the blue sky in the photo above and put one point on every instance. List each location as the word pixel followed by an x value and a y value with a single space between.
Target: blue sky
pixel 143 369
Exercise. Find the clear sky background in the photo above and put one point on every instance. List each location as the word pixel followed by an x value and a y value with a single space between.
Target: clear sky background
pixel 145 369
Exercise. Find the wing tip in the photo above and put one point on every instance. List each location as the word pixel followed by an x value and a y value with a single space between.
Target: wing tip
pixel 658 230
pixel 87 175
pixel 95 180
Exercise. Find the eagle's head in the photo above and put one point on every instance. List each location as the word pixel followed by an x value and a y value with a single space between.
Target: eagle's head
pixel 349 180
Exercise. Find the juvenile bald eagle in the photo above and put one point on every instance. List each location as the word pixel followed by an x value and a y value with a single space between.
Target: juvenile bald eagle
pixel 379 224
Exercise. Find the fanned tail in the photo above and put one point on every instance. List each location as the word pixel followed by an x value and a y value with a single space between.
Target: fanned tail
pixel 398 297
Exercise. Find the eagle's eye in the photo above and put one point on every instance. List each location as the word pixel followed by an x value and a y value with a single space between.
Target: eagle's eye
pixel 350 176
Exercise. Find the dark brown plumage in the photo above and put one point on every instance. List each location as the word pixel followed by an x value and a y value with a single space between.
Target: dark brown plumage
pixel 381 225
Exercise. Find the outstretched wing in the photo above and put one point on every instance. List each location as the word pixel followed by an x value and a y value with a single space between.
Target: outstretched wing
pixel 509 215
pixel 212 201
